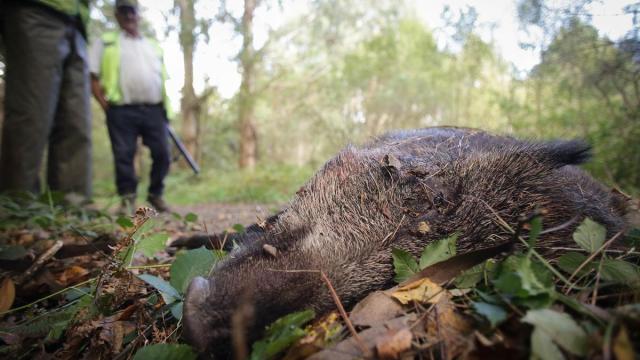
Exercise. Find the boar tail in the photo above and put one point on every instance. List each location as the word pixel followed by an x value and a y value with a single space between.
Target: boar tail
pixel 572 152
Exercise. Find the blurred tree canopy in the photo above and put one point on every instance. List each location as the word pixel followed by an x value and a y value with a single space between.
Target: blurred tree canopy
pixel 345 70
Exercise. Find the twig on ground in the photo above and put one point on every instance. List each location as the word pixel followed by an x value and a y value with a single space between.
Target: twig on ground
pixel 593 255
pixel 48 297
pixel 39 262
pixel 595 287
pixel 336 299
pixel 560 227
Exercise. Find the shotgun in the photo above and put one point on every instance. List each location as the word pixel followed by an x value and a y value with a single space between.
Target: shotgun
pixel 183 150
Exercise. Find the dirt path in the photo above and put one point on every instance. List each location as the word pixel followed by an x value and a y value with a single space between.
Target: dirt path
pixel 219 217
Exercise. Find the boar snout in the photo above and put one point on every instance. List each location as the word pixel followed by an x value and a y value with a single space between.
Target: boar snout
pixel 197 328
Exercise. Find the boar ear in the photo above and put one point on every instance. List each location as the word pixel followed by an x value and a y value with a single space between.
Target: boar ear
pixel 560 153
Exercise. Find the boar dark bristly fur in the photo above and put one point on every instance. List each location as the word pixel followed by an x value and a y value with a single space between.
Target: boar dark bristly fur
pixel 366 201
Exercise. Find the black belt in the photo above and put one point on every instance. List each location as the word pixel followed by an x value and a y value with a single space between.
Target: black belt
pixel 136 105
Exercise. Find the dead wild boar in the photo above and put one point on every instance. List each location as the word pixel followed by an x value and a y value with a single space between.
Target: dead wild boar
pixel 367 200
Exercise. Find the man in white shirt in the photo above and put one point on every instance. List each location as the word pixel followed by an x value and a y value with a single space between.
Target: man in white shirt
pixel 127 79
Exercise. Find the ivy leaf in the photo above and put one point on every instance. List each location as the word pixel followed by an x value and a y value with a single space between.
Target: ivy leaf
pixel 438 251
pixel 404 265
pixel 189 264
pixel 590 235
pixel 561 328
pixel 168 292
pixel 165 352
pixel 495 314
pixel 281 334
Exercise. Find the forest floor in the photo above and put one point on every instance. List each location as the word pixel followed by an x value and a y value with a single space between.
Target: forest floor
pixel 86 284
pixel 220 216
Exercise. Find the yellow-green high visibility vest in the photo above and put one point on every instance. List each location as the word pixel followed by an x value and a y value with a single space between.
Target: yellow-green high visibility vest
pixel 73 8
pixel 110 70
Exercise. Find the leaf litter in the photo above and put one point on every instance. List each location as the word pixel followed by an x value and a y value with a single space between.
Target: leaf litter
pixel 111 291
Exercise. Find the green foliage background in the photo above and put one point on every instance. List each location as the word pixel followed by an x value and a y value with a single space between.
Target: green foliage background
pixel 347 70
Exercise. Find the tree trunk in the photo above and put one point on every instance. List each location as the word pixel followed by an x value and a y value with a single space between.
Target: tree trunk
pixel 189 103
pixel 248 136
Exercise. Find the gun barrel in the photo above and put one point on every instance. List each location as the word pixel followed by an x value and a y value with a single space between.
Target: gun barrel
pixel 183 150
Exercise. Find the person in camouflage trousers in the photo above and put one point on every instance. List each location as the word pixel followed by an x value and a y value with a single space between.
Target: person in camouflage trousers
pixel 47 96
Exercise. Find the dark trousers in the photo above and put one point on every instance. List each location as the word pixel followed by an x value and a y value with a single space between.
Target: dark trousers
pixel 46 102
pixel 126 123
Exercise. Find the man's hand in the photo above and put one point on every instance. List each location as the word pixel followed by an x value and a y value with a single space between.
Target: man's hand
pixel 98 92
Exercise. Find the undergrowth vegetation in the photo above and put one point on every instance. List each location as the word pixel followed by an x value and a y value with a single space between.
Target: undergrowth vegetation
pixel 125 300
pixel 265 184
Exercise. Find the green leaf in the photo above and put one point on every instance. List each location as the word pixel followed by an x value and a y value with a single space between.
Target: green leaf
pixel 570 262
pixel 281 334
pixel 590 235
pixel 124 222
pixel 168 292
pixel 191 217
pixel 151 244
pixel 542 347
pixel 536 229
pixel 561 328
pixel 521 277
pixel 239 228
pixel 12 252
pixel 632 238
pixel 438 251
pixel 621 272
pixel 165 352
pixel 472 276
pixel 404 265
pixel 495 314
pixel 143 230
pixel 189 264
pixel 176 310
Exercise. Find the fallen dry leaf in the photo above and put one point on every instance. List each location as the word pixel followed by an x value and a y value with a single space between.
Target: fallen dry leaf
pixel 320 333
pixel 7 294
pixel 348 349
pixel 395 343
pixel 622 347
pixel 377 307
pixel 72 275
pixel 446 325
pixel 422 291
pixel 423 227
pixel 452 267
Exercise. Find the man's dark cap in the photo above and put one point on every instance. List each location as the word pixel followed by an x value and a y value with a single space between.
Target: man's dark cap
pixel 128 3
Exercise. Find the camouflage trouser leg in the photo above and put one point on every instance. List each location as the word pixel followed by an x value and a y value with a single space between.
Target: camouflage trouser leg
pixel 47 101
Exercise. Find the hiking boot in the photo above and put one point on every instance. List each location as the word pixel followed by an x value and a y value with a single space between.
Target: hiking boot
pixel 158 203
pixel 127 204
